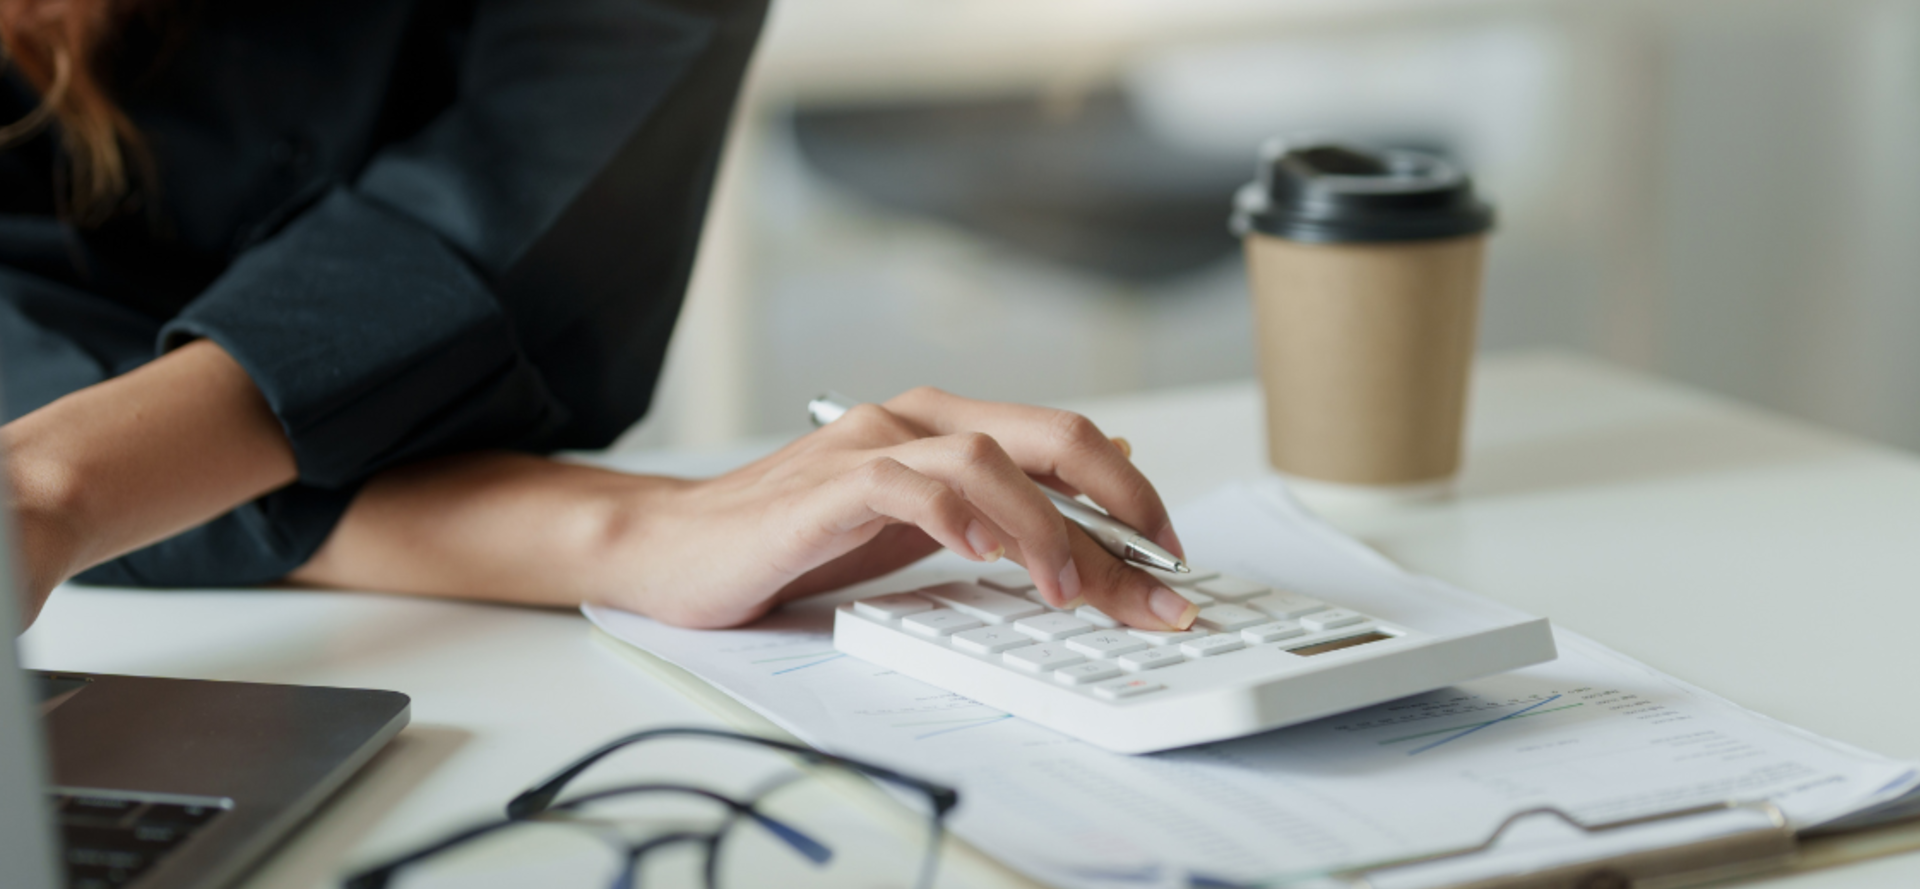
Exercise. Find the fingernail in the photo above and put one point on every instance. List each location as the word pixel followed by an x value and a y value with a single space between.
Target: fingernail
pixel 1171 541
pixel 1126 447
pixel 1076 603
pixel 984 544
pixel 1173 608
pixel 1069 582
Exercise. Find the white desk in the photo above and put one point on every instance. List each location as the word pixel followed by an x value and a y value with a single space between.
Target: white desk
pixel 1769 562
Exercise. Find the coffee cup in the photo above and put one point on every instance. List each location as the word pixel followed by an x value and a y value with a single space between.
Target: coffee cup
pixel 1365 272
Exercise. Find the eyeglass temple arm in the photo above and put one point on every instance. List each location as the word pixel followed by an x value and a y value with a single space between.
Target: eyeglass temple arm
pixel 800 841
pixel 538 799
pixel 380 876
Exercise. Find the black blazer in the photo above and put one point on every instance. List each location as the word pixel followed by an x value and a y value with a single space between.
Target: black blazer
pixel 422 226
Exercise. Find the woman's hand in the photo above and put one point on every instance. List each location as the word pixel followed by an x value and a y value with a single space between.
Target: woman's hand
pixel 877 489
pixel 885 485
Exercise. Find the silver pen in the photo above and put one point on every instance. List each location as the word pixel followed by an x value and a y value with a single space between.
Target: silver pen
pixel 1116 536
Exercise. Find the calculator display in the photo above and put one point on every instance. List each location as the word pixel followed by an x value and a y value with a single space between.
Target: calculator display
pixel 1337 644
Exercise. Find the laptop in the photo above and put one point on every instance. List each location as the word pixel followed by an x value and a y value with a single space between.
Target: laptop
pixel 140 783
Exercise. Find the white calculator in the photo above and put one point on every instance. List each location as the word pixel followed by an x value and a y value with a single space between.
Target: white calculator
pixel 1257 658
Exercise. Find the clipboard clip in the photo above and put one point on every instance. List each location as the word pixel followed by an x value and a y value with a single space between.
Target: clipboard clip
pixel 1764 847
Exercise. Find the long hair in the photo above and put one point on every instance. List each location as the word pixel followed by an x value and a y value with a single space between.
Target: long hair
pixel 62 48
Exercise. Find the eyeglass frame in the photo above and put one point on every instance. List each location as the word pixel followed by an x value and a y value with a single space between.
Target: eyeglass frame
pixel 541 799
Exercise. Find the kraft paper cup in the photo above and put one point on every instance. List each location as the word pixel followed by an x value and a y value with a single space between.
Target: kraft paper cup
pixel 1365 273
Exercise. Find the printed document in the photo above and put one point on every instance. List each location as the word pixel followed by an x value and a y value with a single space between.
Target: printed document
pixel 1594 733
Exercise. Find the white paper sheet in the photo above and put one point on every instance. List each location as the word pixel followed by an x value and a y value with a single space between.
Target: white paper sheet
pixel 1595 733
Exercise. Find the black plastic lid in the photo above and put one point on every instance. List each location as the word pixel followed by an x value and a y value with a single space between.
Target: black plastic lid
pixel 1325 192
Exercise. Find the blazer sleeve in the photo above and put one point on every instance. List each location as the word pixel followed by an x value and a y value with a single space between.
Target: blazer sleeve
pixel 508 275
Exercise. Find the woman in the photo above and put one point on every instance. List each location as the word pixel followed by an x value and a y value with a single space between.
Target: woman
pixel 302 291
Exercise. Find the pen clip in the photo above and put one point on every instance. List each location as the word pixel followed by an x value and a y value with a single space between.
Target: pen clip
pixel 828 407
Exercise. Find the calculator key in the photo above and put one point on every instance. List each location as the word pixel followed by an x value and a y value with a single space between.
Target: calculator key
pixel 1195 596
pixel 1273 632
pixel 1232 589
pixel 983 603
pixel 1009 581
pixel 1043 658
pixel 1230 618
pixel 1193 576
pixel 1053 627
pixel 891 608
pixel 1095 616
pixel 989 640
pixel 1327 620
pixel 1125 688
pixel 1168 637
pixel 1285 605
pixel 1151 659
pixel 1106 644
pixel 1082 674
pixel 939 622
pixel 1211 645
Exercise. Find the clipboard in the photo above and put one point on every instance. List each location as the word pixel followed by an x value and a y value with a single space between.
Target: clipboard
pixel 1766 847
pixel 1772 848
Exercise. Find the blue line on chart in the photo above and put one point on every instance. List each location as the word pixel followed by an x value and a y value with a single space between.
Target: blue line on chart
pixel 832 657
pixel 1481 726
pixel 958 728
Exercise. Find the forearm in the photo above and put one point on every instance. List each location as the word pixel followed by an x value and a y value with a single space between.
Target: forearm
pixel 138 458
pixel 497 526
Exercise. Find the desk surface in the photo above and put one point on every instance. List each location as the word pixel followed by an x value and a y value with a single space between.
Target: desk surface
pixel 1762 559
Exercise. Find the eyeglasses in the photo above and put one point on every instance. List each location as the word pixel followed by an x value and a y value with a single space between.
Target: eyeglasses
pixel 788 827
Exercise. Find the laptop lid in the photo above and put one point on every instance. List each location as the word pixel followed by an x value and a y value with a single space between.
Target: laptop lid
pixel 26 830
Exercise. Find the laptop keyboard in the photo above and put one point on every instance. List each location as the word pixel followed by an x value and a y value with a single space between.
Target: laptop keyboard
pixel 110 841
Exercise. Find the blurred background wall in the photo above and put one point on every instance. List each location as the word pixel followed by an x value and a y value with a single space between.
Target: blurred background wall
pixel 1027 199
